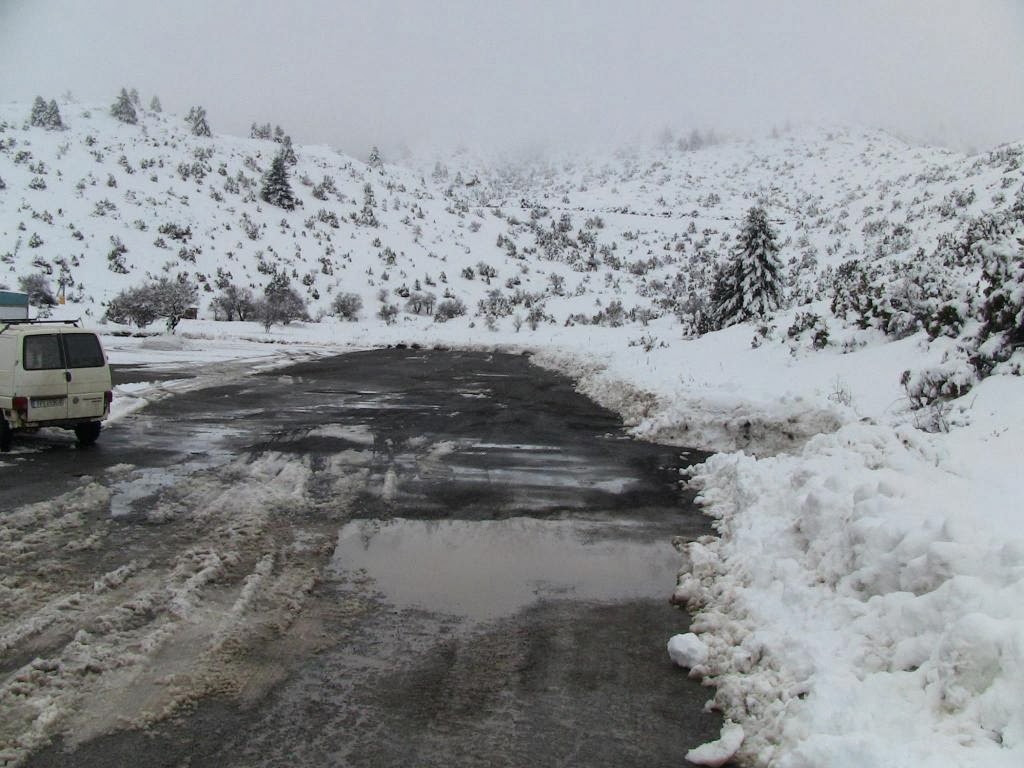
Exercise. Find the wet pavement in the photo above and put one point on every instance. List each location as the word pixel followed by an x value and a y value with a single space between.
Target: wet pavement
pixel 491 560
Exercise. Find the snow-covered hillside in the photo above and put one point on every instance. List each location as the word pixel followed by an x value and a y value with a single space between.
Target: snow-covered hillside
pixel 103 204
pixel 864 602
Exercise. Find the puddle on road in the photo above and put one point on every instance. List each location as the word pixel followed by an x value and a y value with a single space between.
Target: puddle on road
pixel 485 570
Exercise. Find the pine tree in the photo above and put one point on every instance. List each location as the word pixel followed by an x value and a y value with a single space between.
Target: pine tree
pixel 155 105
pixel 375 160
pixel 367 217
pixel 196 118
pixel 37 119
pixel 133 94
pixel 123 109
pixel 260 131
pixel 46 115
pixel 750 284
pixel 276 190
pixel 52 117
pixel 288 151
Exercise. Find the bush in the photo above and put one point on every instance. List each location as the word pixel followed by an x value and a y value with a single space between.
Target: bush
pixel 421 302
pixel 388 312
pixel 495 305
pixel 613 315
pixel 930 390
pixel 233 303
pixel 281 304
pixel 948 321
pixel 38 289
pixel 170 299
pixel 175 231
pixel 347 306
pixel 449 309
pixel 812 324
pixel 132 305
pixel 1002 313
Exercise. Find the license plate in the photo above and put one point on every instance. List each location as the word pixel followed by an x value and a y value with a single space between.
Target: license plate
pixel 47 402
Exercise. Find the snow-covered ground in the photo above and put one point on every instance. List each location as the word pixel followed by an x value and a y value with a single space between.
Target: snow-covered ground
pixel 863 603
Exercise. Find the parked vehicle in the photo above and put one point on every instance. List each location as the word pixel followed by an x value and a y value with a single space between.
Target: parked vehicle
pixel 52 374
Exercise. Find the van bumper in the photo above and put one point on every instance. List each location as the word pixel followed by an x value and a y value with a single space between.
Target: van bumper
pixel 16 422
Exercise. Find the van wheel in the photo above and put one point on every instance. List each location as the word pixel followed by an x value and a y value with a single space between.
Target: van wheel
pixel 5 435
pixel 87 433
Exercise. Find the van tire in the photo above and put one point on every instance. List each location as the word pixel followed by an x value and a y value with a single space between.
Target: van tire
pixel 5 435
pixel 87 433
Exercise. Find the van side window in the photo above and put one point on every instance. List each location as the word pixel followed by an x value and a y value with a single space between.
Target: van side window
pixel 83 350
pixel 42 353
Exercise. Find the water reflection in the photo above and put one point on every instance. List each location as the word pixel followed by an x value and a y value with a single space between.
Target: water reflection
pixel 484 570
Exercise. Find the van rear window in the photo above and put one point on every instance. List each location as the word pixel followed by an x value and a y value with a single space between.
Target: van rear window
pixel 42 353
pixel 83 350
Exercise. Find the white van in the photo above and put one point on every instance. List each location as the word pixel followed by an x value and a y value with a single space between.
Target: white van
pixel 52 374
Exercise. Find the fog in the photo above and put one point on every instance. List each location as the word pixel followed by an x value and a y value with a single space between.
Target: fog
pixel 406 73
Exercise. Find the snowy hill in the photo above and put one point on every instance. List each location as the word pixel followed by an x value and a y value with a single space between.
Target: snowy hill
pixel 862 602
pixel 105 204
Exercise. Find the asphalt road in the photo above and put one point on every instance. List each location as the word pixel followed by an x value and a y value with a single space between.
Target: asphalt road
pixel 404 558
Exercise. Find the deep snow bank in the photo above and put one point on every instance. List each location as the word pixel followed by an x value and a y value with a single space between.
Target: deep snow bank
pixel 865 602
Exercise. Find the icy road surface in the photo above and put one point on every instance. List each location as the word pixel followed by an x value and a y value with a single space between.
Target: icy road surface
pixel 387 558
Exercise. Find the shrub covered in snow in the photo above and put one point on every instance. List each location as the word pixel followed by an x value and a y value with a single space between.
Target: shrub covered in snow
pixel 449 309
pixel 164 297
pixel 347 305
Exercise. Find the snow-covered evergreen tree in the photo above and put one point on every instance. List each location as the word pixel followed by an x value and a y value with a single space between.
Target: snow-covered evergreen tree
pixel 196 118
pixel 123 109
pixel 46 115
pixel 155 105
pixel 37 119
pixel 367 217
pixel 750 284
pixel 133 94
pixel 260 131
pixel 288 151
pixel 52 117
pixel 276 189
pixel 375 160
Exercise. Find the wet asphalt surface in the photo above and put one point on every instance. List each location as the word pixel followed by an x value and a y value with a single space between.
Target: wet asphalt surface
pixel 496 594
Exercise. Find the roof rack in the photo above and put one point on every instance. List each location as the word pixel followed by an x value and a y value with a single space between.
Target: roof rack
pixel 4 324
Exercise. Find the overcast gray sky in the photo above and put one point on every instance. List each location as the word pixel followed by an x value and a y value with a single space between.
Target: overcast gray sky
pixel 489 73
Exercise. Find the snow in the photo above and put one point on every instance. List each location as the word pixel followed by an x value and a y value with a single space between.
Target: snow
pixel 718 752
pixel 687 650
pixel 862 602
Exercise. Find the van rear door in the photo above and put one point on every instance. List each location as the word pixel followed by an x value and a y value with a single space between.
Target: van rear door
pixel 88 377
pixel 42 377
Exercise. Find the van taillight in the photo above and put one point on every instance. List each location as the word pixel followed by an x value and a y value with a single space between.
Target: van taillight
pixel 108 398
pixel 20 404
